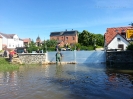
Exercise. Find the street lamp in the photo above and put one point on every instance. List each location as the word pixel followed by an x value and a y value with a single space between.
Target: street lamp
pixel 45 46
pixel 95 43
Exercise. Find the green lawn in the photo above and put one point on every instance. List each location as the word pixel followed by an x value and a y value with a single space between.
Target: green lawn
pixel 5 65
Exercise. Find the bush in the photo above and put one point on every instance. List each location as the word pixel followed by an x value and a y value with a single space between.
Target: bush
pixel 130 47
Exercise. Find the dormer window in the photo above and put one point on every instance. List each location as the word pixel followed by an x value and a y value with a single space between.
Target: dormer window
pixel 123 31
pixel 118 39
pixel 116 31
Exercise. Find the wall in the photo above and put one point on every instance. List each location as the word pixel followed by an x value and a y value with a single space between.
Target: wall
pixel 29 58
pixel 120 59
pixel 15 42
pixel 63 38
pixel 68 57
pixel 80 56
pixel 4 40
pixel 114 43
pixel 0 43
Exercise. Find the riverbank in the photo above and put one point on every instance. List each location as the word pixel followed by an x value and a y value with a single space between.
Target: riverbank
pixel 6 65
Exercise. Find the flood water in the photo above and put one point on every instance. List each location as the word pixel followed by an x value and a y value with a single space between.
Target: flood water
pixel 80 81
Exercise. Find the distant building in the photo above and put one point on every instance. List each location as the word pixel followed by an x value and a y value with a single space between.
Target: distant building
pixel 26 41
pixel 11 41
pixel 38 41
pixel 65 37
pixel 114 41
pixel 0 43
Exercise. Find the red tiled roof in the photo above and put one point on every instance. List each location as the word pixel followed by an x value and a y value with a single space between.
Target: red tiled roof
pixel 27 40
pixel 111 33
pixel 1 37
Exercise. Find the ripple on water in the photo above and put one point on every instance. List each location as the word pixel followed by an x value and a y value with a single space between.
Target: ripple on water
pixel 65 82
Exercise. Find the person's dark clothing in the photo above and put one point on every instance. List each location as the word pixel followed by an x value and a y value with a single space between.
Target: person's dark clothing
pixel 10 57
pixel 37 51
pixel 11 53
pixel 56 48
pixel 58 57
pixel 25 51
pixel 5 53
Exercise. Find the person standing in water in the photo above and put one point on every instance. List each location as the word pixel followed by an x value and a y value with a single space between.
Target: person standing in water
pixel 58 57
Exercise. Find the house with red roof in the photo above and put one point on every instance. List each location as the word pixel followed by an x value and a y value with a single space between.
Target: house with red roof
pixel 0 43
pixel 26 41
pixel 115 38
pixel 11 41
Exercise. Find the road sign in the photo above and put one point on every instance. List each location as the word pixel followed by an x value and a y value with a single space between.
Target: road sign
pixel 129 33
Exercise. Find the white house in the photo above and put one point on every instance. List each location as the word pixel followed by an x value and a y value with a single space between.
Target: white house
pixel 11 41
pixel 0 43
pixel 118 42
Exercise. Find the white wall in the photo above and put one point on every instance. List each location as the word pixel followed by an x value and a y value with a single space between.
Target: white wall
pixel 12 43
pixel 114 43
pixel 0 43
pixel 79 56
pixel 15 42
pixel 4 40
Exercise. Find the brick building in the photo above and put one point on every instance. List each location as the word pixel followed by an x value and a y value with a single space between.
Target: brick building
pixel 65 37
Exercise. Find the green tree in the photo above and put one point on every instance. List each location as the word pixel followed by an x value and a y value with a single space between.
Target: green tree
pixel 83 38
pixel 130 47
pixel 90 39
pixel 32 47
pixel 51 43
pixel 99 39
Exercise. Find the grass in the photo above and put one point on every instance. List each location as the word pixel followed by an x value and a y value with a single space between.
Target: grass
pixel 6 66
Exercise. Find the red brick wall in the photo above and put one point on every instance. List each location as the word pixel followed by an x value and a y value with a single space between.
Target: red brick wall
pixel 70 39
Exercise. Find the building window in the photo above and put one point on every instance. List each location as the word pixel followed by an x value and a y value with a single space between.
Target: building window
pixel 66 38
pixel 118 39
pixel 116 31
pixel 123 31
pixel 121 46
pixel 73 38
pixel 9 45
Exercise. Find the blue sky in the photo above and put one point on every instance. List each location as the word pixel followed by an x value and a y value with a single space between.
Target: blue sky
pixel 30 18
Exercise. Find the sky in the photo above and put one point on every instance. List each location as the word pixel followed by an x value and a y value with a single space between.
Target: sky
pixel 33 18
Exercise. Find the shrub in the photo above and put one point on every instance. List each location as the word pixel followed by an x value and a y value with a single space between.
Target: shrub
pixel 130 47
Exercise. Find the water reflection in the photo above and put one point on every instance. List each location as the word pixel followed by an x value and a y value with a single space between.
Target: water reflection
pixel 80 81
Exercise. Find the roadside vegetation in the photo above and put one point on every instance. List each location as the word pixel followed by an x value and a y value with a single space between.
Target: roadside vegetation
pixel 130 46
pixel 6 66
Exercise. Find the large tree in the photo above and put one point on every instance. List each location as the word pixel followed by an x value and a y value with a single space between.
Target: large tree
pixel 86 38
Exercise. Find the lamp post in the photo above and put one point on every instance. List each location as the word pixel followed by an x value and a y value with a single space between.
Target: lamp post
pixel 95 44
pixel 45 46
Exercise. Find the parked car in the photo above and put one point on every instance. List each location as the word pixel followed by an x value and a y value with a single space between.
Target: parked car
pixel 20 49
